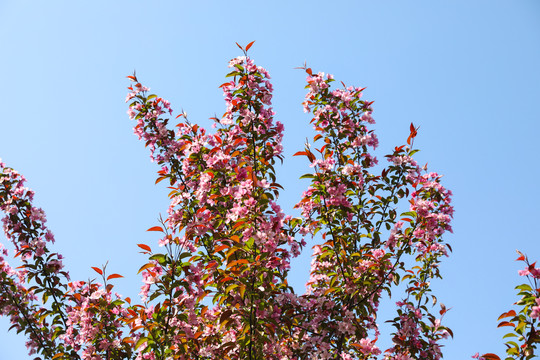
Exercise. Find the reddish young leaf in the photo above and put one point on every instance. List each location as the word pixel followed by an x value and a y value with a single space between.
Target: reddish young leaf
pixel 114 276
pixel 220 247
pixel 145 266
pixel 506 323
pixel 443 309
pixel 490 356
pixel 237 225
pixel 249 45
pixel 155 228
pixel 98 270
pixel 237 262
pixel 507 314
pixel 144 247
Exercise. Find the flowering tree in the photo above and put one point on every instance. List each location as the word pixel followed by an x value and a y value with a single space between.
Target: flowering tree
pixel 524 335
pixel 217 288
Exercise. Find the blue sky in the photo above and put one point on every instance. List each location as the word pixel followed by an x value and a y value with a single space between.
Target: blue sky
pixel 466 72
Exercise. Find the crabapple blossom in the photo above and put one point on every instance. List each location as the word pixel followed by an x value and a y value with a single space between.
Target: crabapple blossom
pixel 216 286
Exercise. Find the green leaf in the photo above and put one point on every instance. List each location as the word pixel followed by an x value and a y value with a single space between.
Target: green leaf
pixel 160 258
pixel 233 73
pixel 140 342
pixel 524 287
pixel 409 213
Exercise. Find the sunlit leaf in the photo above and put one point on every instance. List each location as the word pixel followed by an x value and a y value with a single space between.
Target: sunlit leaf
pixel 507 314
pixel 144 247
pixel 114 276
pixel 249 45
pixel 490 356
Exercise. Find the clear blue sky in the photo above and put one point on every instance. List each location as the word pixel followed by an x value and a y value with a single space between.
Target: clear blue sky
pixel 467 72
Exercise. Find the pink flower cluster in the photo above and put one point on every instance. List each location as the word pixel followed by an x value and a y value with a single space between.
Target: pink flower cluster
pixel 16 204
pixel 94 321
pixel 431 202
pixel 534 273
pixel 415 339
pixel 24 225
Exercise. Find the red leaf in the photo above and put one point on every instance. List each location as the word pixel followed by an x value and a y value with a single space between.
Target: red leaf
pixel 238 224
pixel 241 48
pixel 249 45
pixel 301 153
pixel 221 247
pixel 506 323
pixel 308 70
pixel 114 276
pixel 155 228
pixel 507 314
pixel 490 356
pixel 98 270
pixel 144 247
pixel 146 266
pixel 237 262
